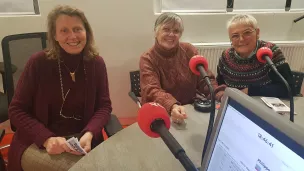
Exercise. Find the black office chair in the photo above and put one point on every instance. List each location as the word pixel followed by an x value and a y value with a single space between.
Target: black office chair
pixel 3 118
pixel 2 72
pixel 16 50
pixel 298 79
pixel 135 87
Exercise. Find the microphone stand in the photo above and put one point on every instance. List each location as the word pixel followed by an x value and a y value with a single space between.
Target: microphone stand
pixel 287 86
pixel 176 149
pixel 212 112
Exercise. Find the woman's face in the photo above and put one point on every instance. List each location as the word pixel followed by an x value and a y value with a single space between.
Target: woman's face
pixel 70 34
pixel 243 38
pixel 168 35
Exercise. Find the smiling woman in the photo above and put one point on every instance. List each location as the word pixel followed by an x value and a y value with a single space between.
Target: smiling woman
pixel 239 67
pixel 70 34
pixel 165 77
pixel 63 92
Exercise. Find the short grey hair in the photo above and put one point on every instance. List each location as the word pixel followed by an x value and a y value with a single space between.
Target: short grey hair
pixel 167 18
pixel 243 19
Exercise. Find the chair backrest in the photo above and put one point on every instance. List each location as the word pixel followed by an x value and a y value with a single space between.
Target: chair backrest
pixel 16 50
pixel 298 79
pixel 135 82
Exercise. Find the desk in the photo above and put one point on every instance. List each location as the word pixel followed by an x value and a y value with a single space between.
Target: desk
pixel 299 109
pixel 131 150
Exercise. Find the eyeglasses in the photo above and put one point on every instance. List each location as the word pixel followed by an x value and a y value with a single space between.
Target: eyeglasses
pixel 245 34
pixel 76 117
pixel 168 31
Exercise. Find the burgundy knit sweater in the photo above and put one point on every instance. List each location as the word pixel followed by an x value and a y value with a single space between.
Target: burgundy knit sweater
pixel 165 76
pixel 34 109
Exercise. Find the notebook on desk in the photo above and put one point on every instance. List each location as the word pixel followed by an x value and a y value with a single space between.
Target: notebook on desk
pixel 248 136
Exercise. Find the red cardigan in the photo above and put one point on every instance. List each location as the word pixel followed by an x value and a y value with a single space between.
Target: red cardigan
pixel 29 109
pixel 165 76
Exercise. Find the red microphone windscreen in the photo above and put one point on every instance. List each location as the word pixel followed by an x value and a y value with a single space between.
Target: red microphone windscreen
pixel 263 51
pixel 150 112
pixel 196 60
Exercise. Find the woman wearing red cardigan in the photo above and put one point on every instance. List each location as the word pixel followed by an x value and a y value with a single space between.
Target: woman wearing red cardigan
pixel 62 92
pixel 165 76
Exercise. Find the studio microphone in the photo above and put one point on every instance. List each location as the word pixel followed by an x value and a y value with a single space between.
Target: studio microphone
pixel 154 121
pixel 264 54
pixel 199 65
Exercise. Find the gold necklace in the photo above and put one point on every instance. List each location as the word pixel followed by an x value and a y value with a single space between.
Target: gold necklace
pixel 72 74
pixel 65 95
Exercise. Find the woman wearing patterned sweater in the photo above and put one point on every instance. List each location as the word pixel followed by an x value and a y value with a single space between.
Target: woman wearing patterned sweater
pixel 239 68
pixel 165 76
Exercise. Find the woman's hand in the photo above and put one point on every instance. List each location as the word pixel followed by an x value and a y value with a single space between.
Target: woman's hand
pixel 56 145
pixel 85 141
pixel 178 113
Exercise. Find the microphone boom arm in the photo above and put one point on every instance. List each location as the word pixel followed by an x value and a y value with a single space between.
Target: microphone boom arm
pixel 212 113
pixel 175 148
pixel 286 85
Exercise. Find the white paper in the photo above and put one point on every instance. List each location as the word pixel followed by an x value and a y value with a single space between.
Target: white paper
pixel 74 145
pixel 276 104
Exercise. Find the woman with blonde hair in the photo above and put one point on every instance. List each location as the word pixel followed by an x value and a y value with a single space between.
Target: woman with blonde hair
pixel 63 92
pixel 239 67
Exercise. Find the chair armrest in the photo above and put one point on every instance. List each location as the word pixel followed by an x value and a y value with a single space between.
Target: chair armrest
pixel 135 98
pixel 113 126
pixel 3 108
pixel 2 133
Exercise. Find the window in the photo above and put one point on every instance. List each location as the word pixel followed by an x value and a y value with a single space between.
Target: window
pixel 259 5
pixel 297 5
pixel 19 7
pixel 201 6
pixel 193 5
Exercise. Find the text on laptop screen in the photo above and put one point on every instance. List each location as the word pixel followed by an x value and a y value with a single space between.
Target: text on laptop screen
pixel 245 142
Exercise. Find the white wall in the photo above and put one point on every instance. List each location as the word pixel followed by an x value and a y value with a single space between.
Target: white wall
pixel 124 30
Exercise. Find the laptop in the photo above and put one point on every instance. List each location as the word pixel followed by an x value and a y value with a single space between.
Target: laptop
pixel 248 136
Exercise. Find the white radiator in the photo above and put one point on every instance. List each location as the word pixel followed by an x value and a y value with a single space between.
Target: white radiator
pixel 292 50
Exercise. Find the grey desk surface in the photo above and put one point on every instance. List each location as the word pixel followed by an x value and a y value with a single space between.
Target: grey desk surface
pixel 131 150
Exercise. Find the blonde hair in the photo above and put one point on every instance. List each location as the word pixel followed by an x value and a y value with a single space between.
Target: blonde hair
pixel 167 18
pixel 53 51
pixel 243 19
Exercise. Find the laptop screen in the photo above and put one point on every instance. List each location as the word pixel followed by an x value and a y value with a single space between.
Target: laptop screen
pixel 245 142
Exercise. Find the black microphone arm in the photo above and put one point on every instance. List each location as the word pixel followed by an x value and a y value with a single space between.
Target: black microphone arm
pixel 273 67
pixel 176 149
pixel 212 112
pixel 298 19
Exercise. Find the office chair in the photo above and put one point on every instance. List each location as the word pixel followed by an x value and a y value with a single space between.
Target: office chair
pixel 298 80
pixel 16 51
pixel 2 72
pixel 3 118
pixel 135 87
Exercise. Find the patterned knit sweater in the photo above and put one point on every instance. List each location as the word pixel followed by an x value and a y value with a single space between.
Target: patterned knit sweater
pixel 238 72
pixel 165 76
